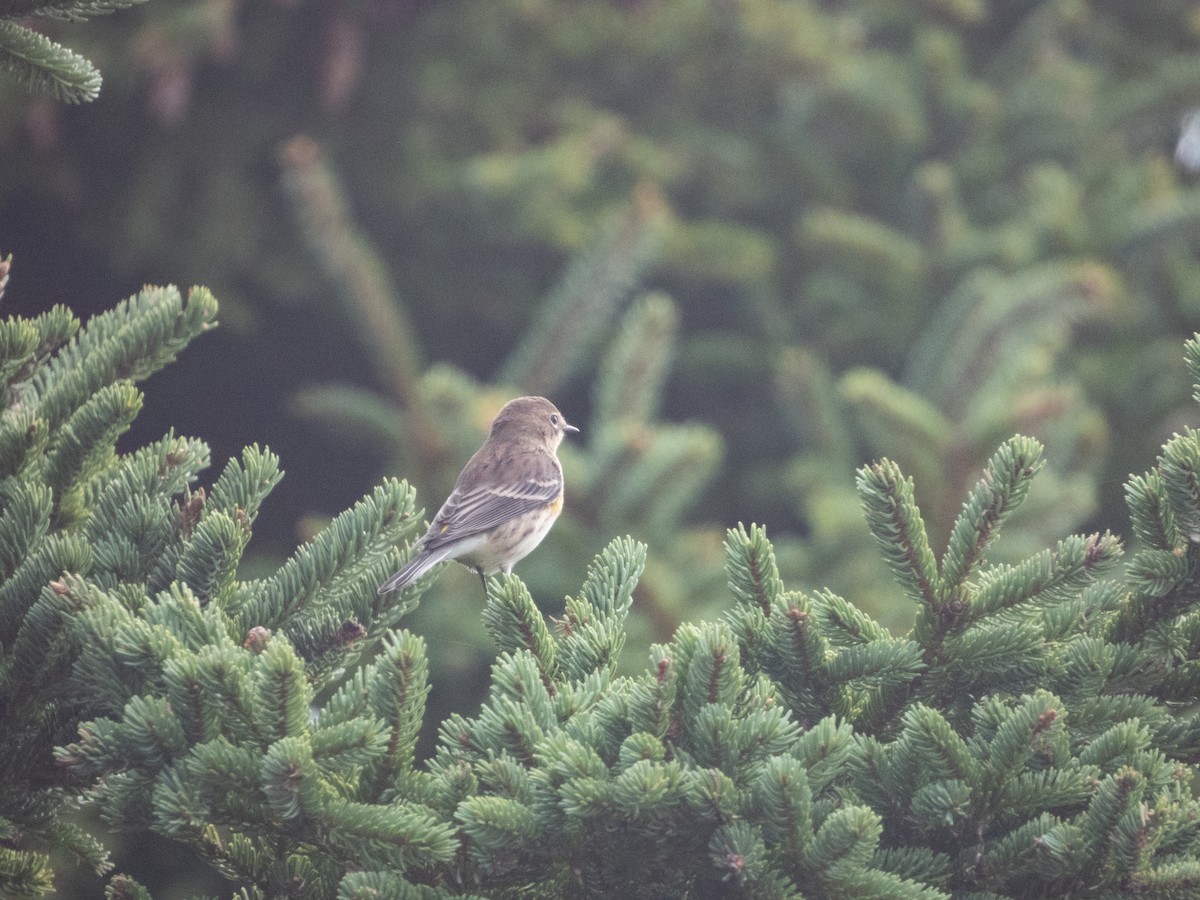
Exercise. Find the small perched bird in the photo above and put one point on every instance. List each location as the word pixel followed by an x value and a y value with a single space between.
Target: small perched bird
pixel 505 500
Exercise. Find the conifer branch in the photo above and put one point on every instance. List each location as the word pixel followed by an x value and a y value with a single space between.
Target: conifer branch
pixel 797 655
pixel 355 270
pixel 660 478
pixel 1036 740
pixel 24 873
pixel 1054 574
pixel 53 557
pixel 843 623
pixel 598 280
pixel 24 521
pixel 45 67
pixel 652 697
pixel 23 439
pixel 397 686
pixel 630 382
pixel 70 10
pixel 354 547
pixel 592 628
pixel 515 623
pixel 132 341
pixel 85 442
pixel 1150 516
pixel 895 521
pixel 1004 485
pixel 19 339
pixel 1179 468
pixel 751 568
pixel 245 483
pixel 896 416
pixel 810 400
pixel 1191 356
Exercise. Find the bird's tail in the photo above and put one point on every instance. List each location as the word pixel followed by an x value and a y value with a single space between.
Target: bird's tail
pixel 414 569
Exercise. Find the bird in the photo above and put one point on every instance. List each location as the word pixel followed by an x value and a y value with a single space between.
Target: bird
pixel 504 501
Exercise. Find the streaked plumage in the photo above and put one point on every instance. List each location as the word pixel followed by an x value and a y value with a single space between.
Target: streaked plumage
pixel 505 500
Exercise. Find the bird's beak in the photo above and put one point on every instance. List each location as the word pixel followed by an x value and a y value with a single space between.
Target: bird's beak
pixel 570 428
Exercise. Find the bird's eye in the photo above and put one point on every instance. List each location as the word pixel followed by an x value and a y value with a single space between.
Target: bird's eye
pixel 554 420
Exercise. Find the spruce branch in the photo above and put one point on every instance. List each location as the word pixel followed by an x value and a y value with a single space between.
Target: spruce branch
pixel 843 623
pixel 895 521
pixel 24 873
pixel 70 10
pixel 374 884
pixel 976 656
pixel 612 577
pixel 208 561
pixel 129 342
pixel 929 743
pixel 19 339
pixel 355 547
pixel 806 386
pixel 1179 468
pixel 23 439
pixel 1005 482
pixel 897 416
pixel 652 697
pixel 592 630
pixel 45 67
pixel 989 323
pixel 24 521
pixel 631 378
pixel 1053 575
pixel 597 282
pixel 322 209
pixel 128 612
pixel 245 483
pixel 875 675
pixel 1032 727
pixel 660 476
pixel 1191 356
pixel 1036 740
pixel 800 650
pixel 1114 829
pixel 712 674
pixel 53 557
pixel 515 623
pixel 1157 573
pixel 85 442
pixel 1149 514
pixel 751 568
pixel 397 684
pixel 844 843
pixel 874 247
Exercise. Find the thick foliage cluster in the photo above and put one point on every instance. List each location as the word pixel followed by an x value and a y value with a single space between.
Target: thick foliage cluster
pixel 1030 737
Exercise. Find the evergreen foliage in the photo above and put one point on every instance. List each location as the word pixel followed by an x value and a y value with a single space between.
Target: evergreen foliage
pixel 821 162
pixel 632 473
pixel 120 597
pixel 40 63
pixel 896 214
pixel 1033 735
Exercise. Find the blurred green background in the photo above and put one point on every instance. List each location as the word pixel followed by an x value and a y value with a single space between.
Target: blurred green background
pixel 745 246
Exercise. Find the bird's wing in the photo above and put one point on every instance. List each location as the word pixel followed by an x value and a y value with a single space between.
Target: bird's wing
pixel 471 510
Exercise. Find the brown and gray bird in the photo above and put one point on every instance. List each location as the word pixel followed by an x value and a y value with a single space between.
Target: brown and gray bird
pixel 505 500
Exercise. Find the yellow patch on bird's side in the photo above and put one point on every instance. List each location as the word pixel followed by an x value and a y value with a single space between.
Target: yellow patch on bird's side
pixel 445 528
pixel 555 506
